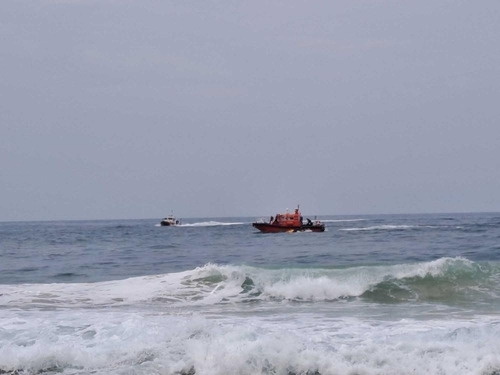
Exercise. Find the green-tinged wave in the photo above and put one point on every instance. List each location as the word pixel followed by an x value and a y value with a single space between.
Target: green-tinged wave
pixel 458 280
pixel 445 280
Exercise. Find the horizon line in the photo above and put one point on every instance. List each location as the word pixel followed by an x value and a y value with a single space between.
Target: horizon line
pixel 247 216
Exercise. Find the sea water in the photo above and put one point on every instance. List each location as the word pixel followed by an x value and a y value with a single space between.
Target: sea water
pixel 388 294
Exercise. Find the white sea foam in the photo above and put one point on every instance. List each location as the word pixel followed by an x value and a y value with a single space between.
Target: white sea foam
pixel 213 284
pixel 323 285
pixel 107 342
pixel 381 227
pixel 202 320
pixel 341 220
pixel 210 224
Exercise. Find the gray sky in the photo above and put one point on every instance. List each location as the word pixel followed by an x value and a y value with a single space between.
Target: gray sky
pixel 131 109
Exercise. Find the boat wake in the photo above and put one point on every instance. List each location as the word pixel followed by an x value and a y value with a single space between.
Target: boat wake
pixel 342 220
pixel 386 227
pixel 210 224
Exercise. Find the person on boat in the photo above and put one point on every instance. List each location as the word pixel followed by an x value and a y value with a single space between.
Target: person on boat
pixel 271 220
pixel 309 222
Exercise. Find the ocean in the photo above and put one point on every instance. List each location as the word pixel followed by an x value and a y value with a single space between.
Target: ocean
pixel 378 294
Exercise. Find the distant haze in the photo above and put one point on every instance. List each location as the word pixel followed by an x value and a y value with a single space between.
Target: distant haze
pixel 134 109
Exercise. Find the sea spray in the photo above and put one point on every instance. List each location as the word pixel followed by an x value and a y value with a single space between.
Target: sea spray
pixel 108 342
pixel 445 280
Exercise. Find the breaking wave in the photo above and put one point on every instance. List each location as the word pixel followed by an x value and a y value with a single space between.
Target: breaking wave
pixel 118 343
pixel 447 280
pixel 109 327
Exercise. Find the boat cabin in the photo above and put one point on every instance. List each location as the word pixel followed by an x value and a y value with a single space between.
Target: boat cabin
pixel 288 219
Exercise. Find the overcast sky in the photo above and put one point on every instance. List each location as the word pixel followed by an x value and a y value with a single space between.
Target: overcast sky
pixel 116 109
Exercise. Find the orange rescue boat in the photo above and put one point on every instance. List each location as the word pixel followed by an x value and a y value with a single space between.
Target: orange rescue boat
pixel 289 222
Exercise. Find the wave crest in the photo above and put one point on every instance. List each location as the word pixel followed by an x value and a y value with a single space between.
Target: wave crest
pixel 446 279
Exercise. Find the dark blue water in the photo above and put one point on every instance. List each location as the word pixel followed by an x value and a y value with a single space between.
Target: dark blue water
pixel 86 251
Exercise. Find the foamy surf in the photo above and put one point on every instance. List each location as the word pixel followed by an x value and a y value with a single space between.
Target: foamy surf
pixel 110 342
pixel 447 280
pixel 406 301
